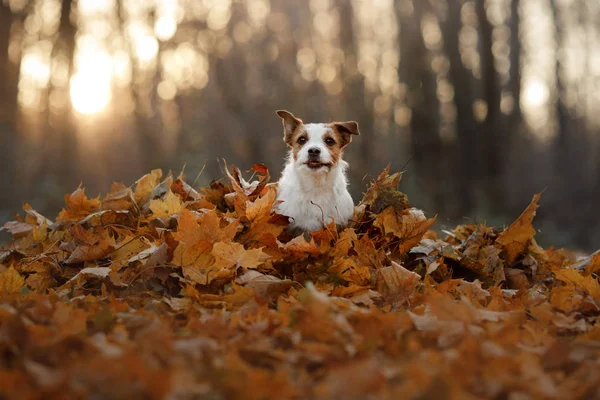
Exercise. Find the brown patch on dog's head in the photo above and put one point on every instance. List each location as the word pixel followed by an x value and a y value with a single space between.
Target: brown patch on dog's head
pixel 338 136
pixel 291 125
pixel 294 134
pixel 343 132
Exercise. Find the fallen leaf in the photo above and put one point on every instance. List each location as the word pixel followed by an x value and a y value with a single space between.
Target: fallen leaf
pixel 11 281
pixel 171 204
pixel 516 237
pixel 234 254
pixel 145 185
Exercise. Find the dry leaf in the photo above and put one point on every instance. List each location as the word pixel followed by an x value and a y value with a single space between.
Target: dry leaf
pixel 516 237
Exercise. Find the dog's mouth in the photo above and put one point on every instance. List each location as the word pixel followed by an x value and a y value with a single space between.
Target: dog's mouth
pixel 316 165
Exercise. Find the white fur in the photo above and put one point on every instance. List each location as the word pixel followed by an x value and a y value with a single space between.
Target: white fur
pixel 312 198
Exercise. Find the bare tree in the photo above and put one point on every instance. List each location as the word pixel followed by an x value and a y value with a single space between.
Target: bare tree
pixel 493 141
pixel 515 62
pixel 423 101
pixel 466 126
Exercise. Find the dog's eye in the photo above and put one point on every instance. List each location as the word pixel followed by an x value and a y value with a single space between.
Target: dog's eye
pixel 302 140
pixel 329 141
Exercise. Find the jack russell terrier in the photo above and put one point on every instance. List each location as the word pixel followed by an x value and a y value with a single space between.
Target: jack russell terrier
pixel 312 190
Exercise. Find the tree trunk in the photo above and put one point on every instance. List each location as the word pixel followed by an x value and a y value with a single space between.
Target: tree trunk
pixel 63 151
pixel 494 144
pixel 9 110
pixel 423 102
pixel 354 94
pixel 466 126
pixel 515 63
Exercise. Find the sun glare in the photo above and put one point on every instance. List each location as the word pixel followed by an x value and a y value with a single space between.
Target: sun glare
pixel 536 94
pixel 89 94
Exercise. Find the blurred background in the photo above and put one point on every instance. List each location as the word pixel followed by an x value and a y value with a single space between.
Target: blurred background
pixel 483 103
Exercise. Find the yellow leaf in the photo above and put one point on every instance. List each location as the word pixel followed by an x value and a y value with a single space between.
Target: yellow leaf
pixel 347 269
pixel 11 281
pixel 262 206
pixel 196 260
pixel 206 227
pixel 517 236
pixel 145 185
pixel 169 205
pixel 234 254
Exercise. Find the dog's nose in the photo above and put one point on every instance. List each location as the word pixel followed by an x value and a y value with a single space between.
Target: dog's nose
pixel 314 152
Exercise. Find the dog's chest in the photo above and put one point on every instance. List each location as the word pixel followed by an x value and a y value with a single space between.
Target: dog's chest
pixel 310 207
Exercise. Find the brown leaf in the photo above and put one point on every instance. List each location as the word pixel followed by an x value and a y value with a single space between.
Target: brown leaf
pixel 408 226
pixel 119 198
pixel 78 206
pixel 11 281
pixel 516 237
pixel 397 279
pixel 145 184
pixel 384 193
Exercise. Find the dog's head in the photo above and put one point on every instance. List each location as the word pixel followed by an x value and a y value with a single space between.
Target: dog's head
pixel 316 147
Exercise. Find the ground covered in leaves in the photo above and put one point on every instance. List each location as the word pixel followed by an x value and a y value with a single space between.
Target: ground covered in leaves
pixel 160 291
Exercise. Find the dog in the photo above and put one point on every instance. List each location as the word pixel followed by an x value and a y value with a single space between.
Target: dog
pixel 313 188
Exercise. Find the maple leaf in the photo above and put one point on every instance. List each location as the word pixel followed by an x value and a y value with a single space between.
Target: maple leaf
pixel 577 288
pixel 384 193
pixel 300 246
pixel 185 191
pixel 234 254
pixel 78 206
pixel 40 277
pixel 207 227
pixel 145 185
pixel 196 261
pixel 169 205
pixel 34 218
pixel 267 287
pixel 11 281
pixel 408 226
pixel 119 198
pixel 397 280
pixel 347 269
pixel 261 208
pixel 95 246
pixel 516 237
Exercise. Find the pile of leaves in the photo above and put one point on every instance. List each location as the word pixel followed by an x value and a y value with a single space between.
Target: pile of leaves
pixel 162 291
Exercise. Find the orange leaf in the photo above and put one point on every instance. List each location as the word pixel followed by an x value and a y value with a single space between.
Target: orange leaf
pixel 398 279
pixel 167 206
pixel 11 281
pixel 517 236
pixel 145 185
pixel 78 206
pixel 408 226
pixel 234 254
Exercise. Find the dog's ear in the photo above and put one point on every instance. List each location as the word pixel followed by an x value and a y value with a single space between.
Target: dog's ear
pixel 345 131
pixel 290 123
